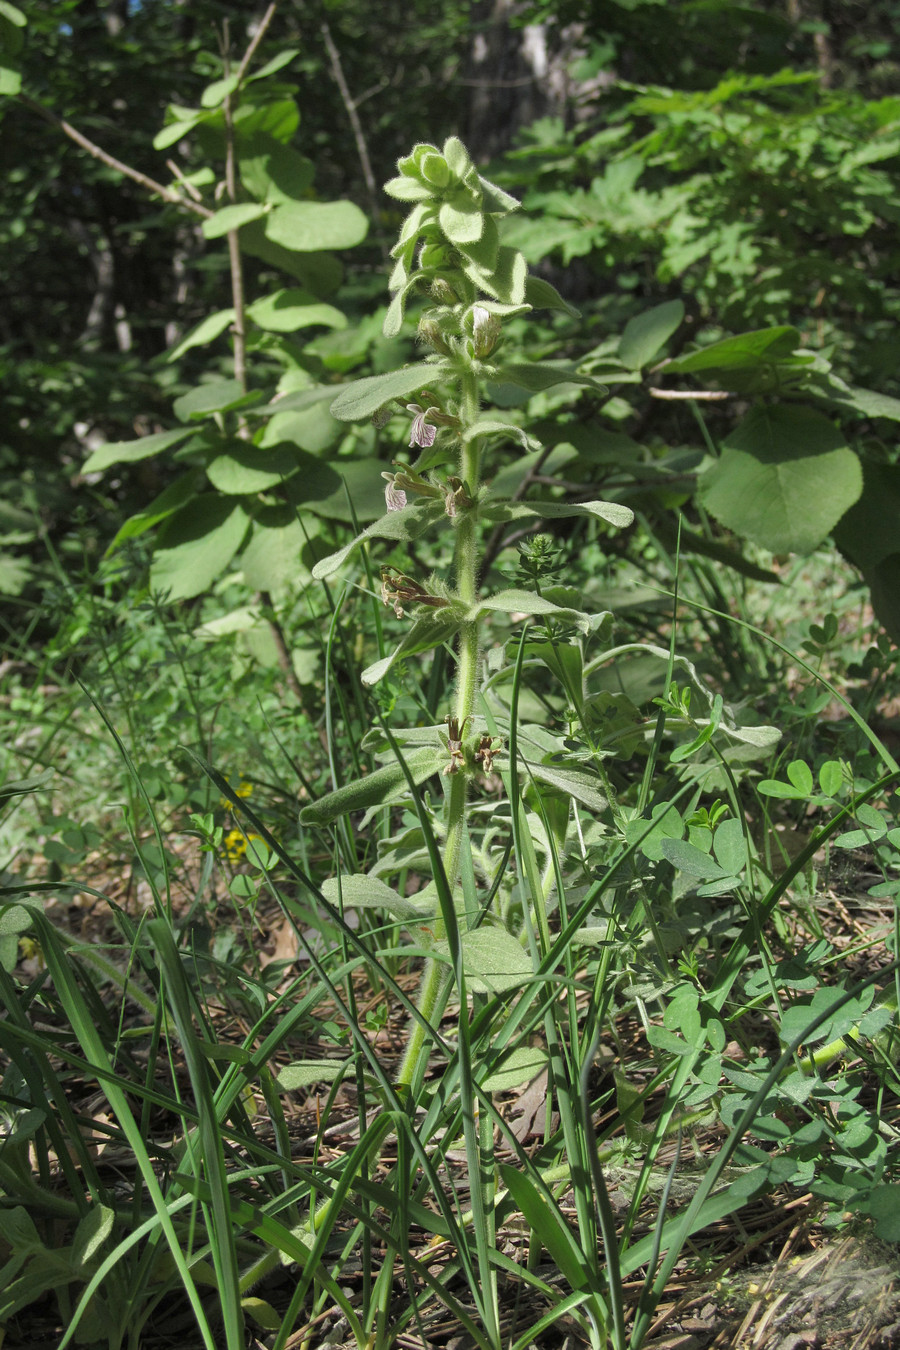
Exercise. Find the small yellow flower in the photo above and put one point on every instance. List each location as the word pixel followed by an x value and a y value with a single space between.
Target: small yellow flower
pixel 243 790
pixel 235 846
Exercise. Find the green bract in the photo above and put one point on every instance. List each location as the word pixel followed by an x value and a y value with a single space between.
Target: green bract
pixel 453 225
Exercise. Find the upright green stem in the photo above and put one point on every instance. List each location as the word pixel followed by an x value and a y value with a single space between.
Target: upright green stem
pixel 465 562
pixel 434 979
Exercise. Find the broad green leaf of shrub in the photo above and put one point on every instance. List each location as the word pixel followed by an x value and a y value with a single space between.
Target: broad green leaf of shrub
pixel 311 428
pixel 305 227
pixel 278 118
pixel 12 22
pixel 245 468
pixel 884 583
pixel 274 173
pixel 197 545
pixel 182 122
pixel 207 331
pixel 647 334
pixel 248 468
pixel 129 452
pixel 868 533
pixel 231 218
pixel 359 497
pixel 872 403
pixel 216 93
pixel 13 921
pixel 166 504
pixel 287 310
pixel 271 557
pixel 784 480
pixel 319 272
pixel 278 62
pixel 743 352
pixel 218 396
pixel 539 375
pixel 10 78
pixel 14 574
pixel 882 1205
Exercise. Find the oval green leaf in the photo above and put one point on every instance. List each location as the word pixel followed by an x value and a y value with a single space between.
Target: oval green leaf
pixel 129 452
pixel 784 480
pixel 287 310
pixel 304 227
pixel 198 544
pixel 232 218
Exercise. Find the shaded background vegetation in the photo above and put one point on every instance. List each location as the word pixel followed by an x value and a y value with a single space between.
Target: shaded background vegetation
pixel 738 156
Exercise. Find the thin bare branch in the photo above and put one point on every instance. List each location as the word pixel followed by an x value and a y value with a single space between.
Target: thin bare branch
pixel 158 189
pixel 257 39
pixel 362 148
pixel 703 395
pixel 175 171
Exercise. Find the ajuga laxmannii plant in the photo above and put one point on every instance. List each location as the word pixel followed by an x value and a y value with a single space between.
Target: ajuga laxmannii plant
pixel 450 251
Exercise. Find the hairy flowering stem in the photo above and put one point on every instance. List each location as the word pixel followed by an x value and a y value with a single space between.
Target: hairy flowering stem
pixel 450 252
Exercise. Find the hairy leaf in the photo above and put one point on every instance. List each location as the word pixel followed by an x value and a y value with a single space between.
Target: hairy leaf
pixel 382 785
pixel 365 397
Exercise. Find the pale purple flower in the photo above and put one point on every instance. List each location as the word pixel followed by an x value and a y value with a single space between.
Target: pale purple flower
pixel 421 433
pixel 395 497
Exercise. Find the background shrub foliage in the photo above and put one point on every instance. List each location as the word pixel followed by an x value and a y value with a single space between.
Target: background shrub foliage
pixel 536 523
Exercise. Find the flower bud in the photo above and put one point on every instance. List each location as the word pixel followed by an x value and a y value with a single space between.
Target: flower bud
pixel 430 332
pixel 443 292
pixel 486 329
pixel 433 255
pixel 435 171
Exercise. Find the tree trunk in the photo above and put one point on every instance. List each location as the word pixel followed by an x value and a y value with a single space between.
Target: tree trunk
pixel 516 75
